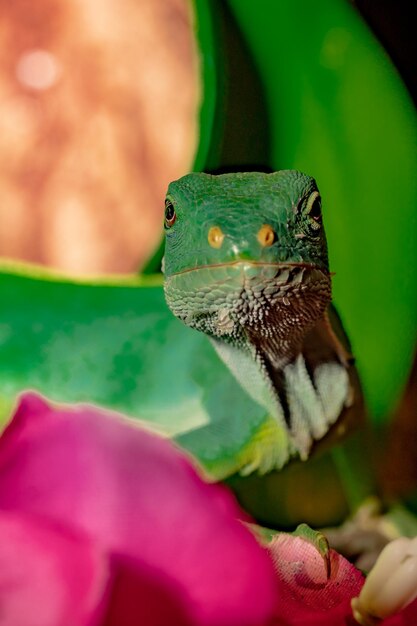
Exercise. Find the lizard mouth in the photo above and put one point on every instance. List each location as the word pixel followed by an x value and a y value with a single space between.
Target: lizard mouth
pixel 245 297
pixel 248 265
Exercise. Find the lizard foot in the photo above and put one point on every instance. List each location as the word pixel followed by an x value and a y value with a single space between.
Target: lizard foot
pixel 314 537
pixel 318 540
pixel 268 449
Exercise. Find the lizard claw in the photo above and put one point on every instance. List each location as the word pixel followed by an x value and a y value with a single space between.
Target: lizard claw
pixel 318 540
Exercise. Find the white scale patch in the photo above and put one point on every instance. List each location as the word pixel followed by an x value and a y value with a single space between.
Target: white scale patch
pixel 313 408
pixel 225 323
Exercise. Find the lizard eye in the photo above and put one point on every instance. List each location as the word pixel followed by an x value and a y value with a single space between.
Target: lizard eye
pixel 313 210
pixel 170 215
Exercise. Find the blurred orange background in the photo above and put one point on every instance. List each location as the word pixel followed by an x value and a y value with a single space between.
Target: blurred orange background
pixel 98 112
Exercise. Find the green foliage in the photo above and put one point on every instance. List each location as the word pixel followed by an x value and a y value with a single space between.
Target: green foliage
pixel 339 111
pixel 115 344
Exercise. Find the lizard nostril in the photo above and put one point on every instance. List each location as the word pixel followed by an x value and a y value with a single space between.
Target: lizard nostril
pixel 266 236
pixel 215 237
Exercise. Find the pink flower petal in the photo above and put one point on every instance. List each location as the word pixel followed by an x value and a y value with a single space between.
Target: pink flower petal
pixel 48 577
pixel 141 595
pixel 306 597
pixel 140 497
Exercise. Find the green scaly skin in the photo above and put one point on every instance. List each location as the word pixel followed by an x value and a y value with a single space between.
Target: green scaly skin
pixel 264 304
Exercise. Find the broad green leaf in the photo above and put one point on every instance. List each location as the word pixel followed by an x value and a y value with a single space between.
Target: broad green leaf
pixel 339 111
pixel 206 41
pixel 116 344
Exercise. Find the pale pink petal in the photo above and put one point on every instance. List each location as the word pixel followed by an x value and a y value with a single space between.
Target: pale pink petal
pixel 140 497
pixel 49 577
pixel 306 597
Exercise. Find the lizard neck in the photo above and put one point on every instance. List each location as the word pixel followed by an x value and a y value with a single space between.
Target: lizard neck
pixel 269 325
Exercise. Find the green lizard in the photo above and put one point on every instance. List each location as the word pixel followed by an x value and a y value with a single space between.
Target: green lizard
pixel 246 263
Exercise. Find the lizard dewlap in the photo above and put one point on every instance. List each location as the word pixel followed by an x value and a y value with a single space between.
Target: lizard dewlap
pixel 246 263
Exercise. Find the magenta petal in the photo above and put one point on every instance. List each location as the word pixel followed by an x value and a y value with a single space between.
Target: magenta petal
pixel 141 595
pixel 407 615
pixel 49 578
pixel 306 597
pixel 138 496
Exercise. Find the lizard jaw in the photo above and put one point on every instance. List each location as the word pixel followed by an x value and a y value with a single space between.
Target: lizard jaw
pixel 270 304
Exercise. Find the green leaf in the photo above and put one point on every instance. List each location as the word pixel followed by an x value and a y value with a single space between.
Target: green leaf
pixel 114 343
pixel 339 111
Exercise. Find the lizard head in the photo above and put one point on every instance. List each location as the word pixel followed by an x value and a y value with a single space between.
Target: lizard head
pixel 241 248
pixel 255 217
